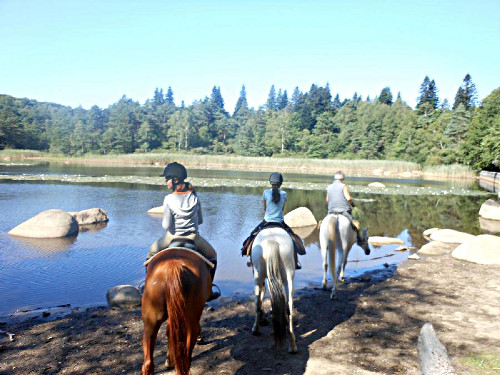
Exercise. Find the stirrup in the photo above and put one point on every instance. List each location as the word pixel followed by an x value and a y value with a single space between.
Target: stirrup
pixel 214 294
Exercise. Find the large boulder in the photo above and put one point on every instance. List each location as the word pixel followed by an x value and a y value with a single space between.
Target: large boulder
pixel 123 297
pixel 90 216
pixel 490 210
pixel 433 356
pixel 482 249
pixel 47 224
pixel 436 248
pixel 450 236
pixel 300 217
pixel 489 226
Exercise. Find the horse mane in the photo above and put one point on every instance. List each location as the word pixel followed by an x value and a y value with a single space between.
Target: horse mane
pixel 177 322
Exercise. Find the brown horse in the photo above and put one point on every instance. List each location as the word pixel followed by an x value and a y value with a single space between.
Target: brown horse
pixel 178 283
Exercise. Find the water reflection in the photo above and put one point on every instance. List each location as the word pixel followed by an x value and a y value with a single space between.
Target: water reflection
pixel 44 247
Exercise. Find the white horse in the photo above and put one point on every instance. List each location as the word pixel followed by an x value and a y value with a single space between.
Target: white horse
pixel 273 258
pixel 336 237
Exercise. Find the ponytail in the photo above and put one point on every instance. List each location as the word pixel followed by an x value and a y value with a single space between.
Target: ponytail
pixel 276 193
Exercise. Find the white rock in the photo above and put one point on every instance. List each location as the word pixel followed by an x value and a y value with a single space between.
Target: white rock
pixel 156 210
pixel 489 226
pixel 123 297
pixel 377 185
pixel 47 224
pixel 300 217
pixel 482 249
pixel 436 248
pixel 429 231
pixel 490 210
pixel 377 240
pixel 414 256
pixel 450 236
pixel 401 248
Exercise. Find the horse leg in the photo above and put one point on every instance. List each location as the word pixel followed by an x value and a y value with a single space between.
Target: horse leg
pixel 292 346
pixel 325 267
pixel 259 295
pixel 148 345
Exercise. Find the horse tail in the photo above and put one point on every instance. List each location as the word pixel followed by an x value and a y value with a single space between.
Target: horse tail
pixel 332 239
pixel 277 294
pixel 177 318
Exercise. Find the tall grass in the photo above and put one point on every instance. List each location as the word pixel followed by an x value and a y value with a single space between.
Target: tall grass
pixel 298 165
pixel 8 153
pixel 452 171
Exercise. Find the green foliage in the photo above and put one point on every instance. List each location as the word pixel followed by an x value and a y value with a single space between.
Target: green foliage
pixel 310 124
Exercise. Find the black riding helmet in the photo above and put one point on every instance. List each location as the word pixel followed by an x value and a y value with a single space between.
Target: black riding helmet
pixel 276 178
pixel 175 170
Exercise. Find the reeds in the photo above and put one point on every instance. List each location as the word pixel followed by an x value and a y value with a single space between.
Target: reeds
pixel 455 171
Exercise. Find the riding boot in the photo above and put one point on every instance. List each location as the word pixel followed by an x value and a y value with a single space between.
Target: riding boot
pixel 296 258
pixel 215 293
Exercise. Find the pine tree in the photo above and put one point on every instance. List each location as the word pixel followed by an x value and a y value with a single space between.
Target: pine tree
pixel 428 99
pixel 271 99
pixel 241 104
pixel 466 94
pixel 385 96
pixel 169 98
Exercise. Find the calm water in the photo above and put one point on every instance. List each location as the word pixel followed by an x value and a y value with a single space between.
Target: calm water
pixel 79 271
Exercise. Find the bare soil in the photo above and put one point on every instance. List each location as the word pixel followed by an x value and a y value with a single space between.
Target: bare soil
pixel 372 328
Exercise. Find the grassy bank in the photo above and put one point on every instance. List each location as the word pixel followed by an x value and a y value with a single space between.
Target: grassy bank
pixel 285 165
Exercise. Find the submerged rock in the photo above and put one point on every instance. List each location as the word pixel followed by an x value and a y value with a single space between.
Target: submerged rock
pixel 377 185
pixel 378 241
pixel 47 224
pixel 156 210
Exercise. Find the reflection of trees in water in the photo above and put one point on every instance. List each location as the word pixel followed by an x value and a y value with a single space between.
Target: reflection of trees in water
pixel 391 214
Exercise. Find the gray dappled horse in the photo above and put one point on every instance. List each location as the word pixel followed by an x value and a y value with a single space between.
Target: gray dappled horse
pixel 336 237
pixel 273 258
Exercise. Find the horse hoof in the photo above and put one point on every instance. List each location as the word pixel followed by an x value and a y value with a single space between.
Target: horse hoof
pixel 168 364
pixel 292 350
pixel 323 286
pixel 255 332
pixel 333 296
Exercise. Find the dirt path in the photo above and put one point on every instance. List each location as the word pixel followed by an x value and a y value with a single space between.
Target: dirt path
pixel 372 328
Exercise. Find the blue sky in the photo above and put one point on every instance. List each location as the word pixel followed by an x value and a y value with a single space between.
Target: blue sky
pixel 92 52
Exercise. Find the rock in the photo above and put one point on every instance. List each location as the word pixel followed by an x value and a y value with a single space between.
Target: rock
pixel 156 210
pixel 490 210
pixel 378 241
pixel 414 256
pixel 47 224
pixel 482 249
pixel 450 236
pixel 304 232
pixel 300 217
pixel 489 226
pixel 90 216
pixel 427 233
pixel 406 174
pixel 436 248
pixel 432 354
pixel 377 185
pixel 401 248
pixel 123 297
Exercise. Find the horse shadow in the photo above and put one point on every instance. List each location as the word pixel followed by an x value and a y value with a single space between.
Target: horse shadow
pixel 315 316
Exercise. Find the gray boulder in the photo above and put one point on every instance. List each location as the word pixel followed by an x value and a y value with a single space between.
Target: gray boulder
pixel 123 297
pixel 47 224
pixel 436 248
pixel 379 241
pixel 90 216
pixel 432 354
pixel 482 249
pixel 300 217
pixel 490 210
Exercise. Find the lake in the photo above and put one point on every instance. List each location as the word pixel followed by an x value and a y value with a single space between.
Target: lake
pixel 78 271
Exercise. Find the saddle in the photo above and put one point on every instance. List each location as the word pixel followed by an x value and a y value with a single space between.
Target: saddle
pixel 297 242
pixel 188 245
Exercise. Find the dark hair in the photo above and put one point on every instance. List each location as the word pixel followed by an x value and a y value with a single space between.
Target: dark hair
pixel 276 193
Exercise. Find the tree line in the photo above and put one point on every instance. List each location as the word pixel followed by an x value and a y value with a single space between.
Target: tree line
pixel 313 124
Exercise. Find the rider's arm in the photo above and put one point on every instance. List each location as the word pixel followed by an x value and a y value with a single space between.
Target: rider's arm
pixel 347 195
pixel 167 215
pixel 200 215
